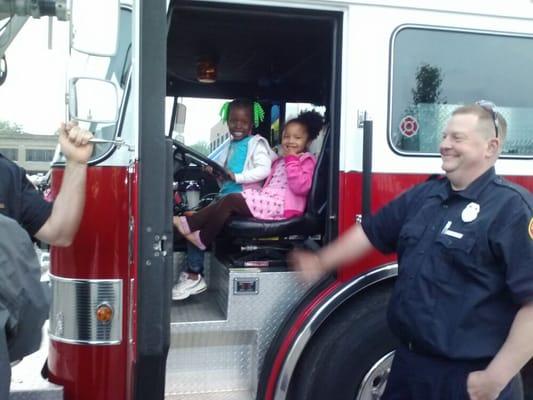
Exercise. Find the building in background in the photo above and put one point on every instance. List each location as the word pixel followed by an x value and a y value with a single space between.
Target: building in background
pixel 219 133
pixel 32 152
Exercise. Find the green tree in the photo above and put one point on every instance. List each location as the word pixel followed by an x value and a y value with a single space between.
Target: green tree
pixel 7 127
pixel 201 147
pixel 426 92
pixel 428 85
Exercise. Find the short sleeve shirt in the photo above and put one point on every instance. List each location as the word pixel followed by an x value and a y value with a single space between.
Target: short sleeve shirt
pixel 465 263
pixel 19 199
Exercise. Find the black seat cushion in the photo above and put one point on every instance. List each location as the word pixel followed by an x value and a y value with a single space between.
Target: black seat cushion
pixel 250 228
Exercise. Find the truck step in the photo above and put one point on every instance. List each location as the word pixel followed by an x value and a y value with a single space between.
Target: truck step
pixel 219 338
pixel 231 395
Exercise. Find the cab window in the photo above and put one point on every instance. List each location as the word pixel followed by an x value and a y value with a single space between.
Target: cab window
pixel 434 71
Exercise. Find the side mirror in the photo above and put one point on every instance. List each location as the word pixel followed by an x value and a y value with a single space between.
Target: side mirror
pixel 93 100
pixel 94 27
pixel 3 70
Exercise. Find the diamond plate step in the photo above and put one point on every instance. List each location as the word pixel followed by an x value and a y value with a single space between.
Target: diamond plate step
pixel 233 395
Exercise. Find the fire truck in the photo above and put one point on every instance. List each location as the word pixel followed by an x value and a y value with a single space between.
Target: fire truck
pixel 385 73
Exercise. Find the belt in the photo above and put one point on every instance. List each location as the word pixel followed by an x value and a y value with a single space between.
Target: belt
pixel 416 349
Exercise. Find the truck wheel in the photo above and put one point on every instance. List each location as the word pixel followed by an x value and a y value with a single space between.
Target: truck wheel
pixel 351 355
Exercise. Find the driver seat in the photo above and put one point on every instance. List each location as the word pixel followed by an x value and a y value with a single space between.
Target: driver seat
pixel 311 223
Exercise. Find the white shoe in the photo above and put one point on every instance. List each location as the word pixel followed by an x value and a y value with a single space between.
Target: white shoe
pixel 188 287
pixel 183 277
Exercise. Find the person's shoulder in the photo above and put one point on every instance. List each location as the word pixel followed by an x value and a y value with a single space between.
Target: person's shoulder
pixel 7 164
pixel 259 144
pixel 307 156
pixel 513 192
pixel 429 186
pixel 257 138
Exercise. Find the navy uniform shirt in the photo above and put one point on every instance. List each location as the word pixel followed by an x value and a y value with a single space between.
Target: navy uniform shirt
pixel 465 263
pixel 19 199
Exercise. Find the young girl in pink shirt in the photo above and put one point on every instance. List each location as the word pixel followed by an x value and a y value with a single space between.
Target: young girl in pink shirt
pixel 283 196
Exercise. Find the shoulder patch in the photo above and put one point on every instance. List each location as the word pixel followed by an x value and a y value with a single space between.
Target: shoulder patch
pixel 530 229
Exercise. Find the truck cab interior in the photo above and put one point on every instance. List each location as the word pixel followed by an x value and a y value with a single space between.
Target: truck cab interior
pixel 277 57
pixel 286 60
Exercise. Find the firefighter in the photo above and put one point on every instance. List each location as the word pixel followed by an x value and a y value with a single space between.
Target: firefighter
pixel 462 305
pixel 56 223
pixel 24 213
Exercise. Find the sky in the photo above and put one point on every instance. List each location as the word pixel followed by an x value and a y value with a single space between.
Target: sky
pixel 201 116
pixel 33 94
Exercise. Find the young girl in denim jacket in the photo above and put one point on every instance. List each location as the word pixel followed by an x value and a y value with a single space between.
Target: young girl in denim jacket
pixel 283 196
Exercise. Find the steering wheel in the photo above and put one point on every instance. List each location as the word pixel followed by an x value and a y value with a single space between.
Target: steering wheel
pixel 186 156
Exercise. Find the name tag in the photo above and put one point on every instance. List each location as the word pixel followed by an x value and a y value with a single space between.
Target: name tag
pixel 448 232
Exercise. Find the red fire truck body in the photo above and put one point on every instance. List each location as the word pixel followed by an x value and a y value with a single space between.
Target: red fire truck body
pixel 386 74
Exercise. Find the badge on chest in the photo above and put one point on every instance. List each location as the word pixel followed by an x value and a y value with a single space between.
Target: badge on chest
pixel 470 212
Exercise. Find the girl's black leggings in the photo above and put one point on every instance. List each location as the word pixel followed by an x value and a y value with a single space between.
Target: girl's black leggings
pixel 210 220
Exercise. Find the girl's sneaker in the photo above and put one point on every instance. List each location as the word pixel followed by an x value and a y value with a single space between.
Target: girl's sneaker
pixel 188 287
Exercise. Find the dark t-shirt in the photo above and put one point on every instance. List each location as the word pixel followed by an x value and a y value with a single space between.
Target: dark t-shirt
pixel 19 199
pixel 465 263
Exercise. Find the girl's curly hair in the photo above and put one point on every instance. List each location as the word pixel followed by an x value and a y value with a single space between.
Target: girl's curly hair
pixel 311 120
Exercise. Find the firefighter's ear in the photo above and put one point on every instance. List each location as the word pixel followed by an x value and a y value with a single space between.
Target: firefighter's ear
pixel 493 147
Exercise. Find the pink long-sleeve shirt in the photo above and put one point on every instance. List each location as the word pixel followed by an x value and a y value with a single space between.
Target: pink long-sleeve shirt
pixel 284 194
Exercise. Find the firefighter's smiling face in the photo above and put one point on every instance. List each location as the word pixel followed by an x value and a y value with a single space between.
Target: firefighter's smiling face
pixel 466 151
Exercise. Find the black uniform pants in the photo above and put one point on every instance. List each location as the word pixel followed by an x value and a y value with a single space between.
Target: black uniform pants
pixel 415 376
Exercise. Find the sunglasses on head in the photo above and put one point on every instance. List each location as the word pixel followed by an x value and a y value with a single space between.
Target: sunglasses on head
pixel 489 107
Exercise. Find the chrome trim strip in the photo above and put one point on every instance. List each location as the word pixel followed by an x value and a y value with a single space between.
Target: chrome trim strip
pixel 320 315
pixel 91 342
pixel 73 311
pixel 61 278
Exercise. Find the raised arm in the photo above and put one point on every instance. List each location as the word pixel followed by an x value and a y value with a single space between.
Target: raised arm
pixel 60 228
pixel 299 173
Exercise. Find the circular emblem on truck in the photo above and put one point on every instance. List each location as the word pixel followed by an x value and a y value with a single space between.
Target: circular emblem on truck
pixel 409 126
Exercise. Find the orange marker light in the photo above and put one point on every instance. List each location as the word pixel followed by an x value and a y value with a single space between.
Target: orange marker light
pixel 104 313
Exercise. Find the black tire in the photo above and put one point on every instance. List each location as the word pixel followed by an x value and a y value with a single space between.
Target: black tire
pixel 345 349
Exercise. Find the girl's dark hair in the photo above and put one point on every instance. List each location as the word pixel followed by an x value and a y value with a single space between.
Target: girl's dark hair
pixel 242 103
pixel 257 114
pixel 312 121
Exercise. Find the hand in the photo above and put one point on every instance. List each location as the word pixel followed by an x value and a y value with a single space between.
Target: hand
pixel 231 175
pixel 74 142
pixel 308 263
pixel 208 169
pixel 483 386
